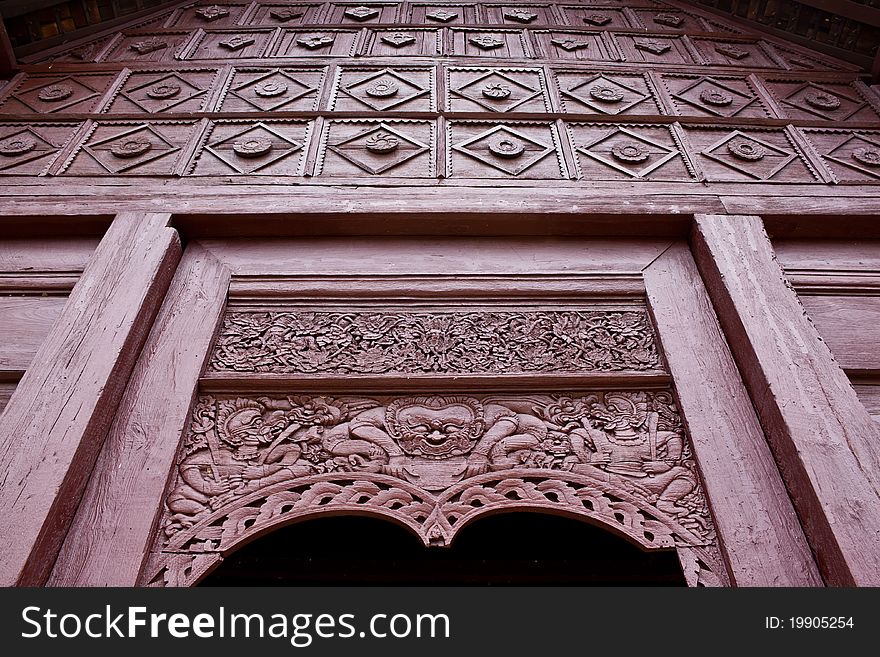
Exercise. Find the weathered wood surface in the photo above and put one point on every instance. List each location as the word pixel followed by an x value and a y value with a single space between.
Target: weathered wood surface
pixel 831 256
pixel 869 395
pixel 57 418
pixel 824 440
pixel 850 325
pixel 51 254
pixel 760 535
pixel 114 525
pixel 6 390
pixel 24 324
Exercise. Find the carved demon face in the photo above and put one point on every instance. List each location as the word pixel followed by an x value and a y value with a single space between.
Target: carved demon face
pixel 621 411
pixel 435 427
pixel 557 444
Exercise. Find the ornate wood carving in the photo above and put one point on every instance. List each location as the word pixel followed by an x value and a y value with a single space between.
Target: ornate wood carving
pixel 496 90
pixel 357 147
pixel 831 101
pixel 315 43
pixel 220 14
pixel 271 89
pixel 434 464
pixel 575 45
pixel 230 44
pixel 481 149
pixel 594 92
pixel 727 52
pixel 402 42
pixel 55 94
pixel 398 88
pixel 724 96
pixel 32 149
pixel 655 49
pixel 147 46
pixel 500 44
pixel 609 16
pixel 454 342
pixel 852 156
pixel 441 13
pixel 278 13
pixel 248 147
pixel 162 90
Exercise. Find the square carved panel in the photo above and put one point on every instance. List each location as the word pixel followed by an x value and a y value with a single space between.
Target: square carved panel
pixel 394 148
pixel 360 13
pixel 597 16
pixel 724 96
pixel 81 54
pixel 231 44
pixel 281 14
pixel 379 89
pixel 131 148
pixel 592 92
pixel 830 101
pixel 316 43
pixel 441 13
pixel 29 150
pixel 496 90
pixel 489 43
pixel 726 52
pixel 668 19
pixel 208 14
pixel 852 156
pixel 512 150
pixel 148 46
pixel 517 14
pixel 157 91
pixel 748 155
pixel 404 42
pixel 797 60
pixel 628 152
pixel 654 49
pixel 53 94
pixel 579 46
pixel 271 89
pixel 274 148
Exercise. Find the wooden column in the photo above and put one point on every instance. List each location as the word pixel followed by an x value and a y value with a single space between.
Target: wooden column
pixel 114 526
pixel 826 444
pixel 759 533
pixel 56 421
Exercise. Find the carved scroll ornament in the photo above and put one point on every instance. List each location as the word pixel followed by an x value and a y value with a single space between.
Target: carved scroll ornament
pixel 401 342
pixel 434 464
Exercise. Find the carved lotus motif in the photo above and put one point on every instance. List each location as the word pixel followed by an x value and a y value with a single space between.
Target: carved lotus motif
pixel 55 93
pixel 212 13
pixel 398 39
pixel 148 45
pixel 238 42
pixel 597 19
pixel 163 90
pixel 382 142
pixel 441 16
pixel 362 13
pixel 670 20
pixel 486 41
pixel 520 15
pixel 653 46
pixel 570 44
pixel 496 91
pixel 745 149
pixel 315 41
pixel 252 147
pixel 270 88
pixel 715 97
pixel 824 100
pixel 284 14
pixel 506 147
pixel 731 51
pixel 382 89
pixel 630 153
pixel 17 145
pixel 605 94
pixel 867 156
pixel 130 148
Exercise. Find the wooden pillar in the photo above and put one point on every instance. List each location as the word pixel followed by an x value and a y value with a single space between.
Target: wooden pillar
pixel 826 444
pixel 114 525
pixel 759 533
pixel 56 421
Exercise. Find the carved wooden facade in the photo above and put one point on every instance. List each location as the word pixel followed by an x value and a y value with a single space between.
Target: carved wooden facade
pixel 441 260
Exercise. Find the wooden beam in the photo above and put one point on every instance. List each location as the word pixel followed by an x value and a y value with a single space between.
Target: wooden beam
pixel 826 445
pixel 8 61
pixel 115 523
pixel 758 530
pixel 58 416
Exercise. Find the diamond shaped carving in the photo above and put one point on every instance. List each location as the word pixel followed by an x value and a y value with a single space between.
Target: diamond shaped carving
pixel 859 153
pixel 146 46
pixel 130 149
pixel 272 91
pixel 212 13
pixel 162 93
pixel 316 41
pixel 253 149
pixel 823 102
pixel 749 155
pixel 505 149
pixel 21 146
pixel 520 15
pixel 57 95
pixel 628 152
pixel 384 90
pixel 398 39
pixel 497 92
pixel 486 41
pixel 285 14
pixel 653 46
pixel 570 44
pixel 237 42
pixel 378 149
pixel 441 16
pixel 669 20
pixel 605 95
pixel 597 19
pixel 362 13
pixel 715 97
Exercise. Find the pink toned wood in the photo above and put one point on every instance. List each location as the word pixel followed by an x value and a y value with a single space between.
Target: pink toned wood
pixel 115 523
pixel 68 254
pixel 57 418
pixel 759 533
pixel 8 61
pixel 812 256
pixel 24 324
pixel 850 325
pixel 826 445
pixel 6 390
pixel 869 395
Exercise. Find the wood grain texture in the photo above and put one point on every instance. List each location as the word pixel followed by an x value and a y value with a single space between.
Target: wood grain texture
pixel 6 390
pixel 826 445
pixel 69 254
pixel 760 535
pixel 24 324
pixel 57 418
pixel 850 325
pixel 869 395
pixel 115 523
